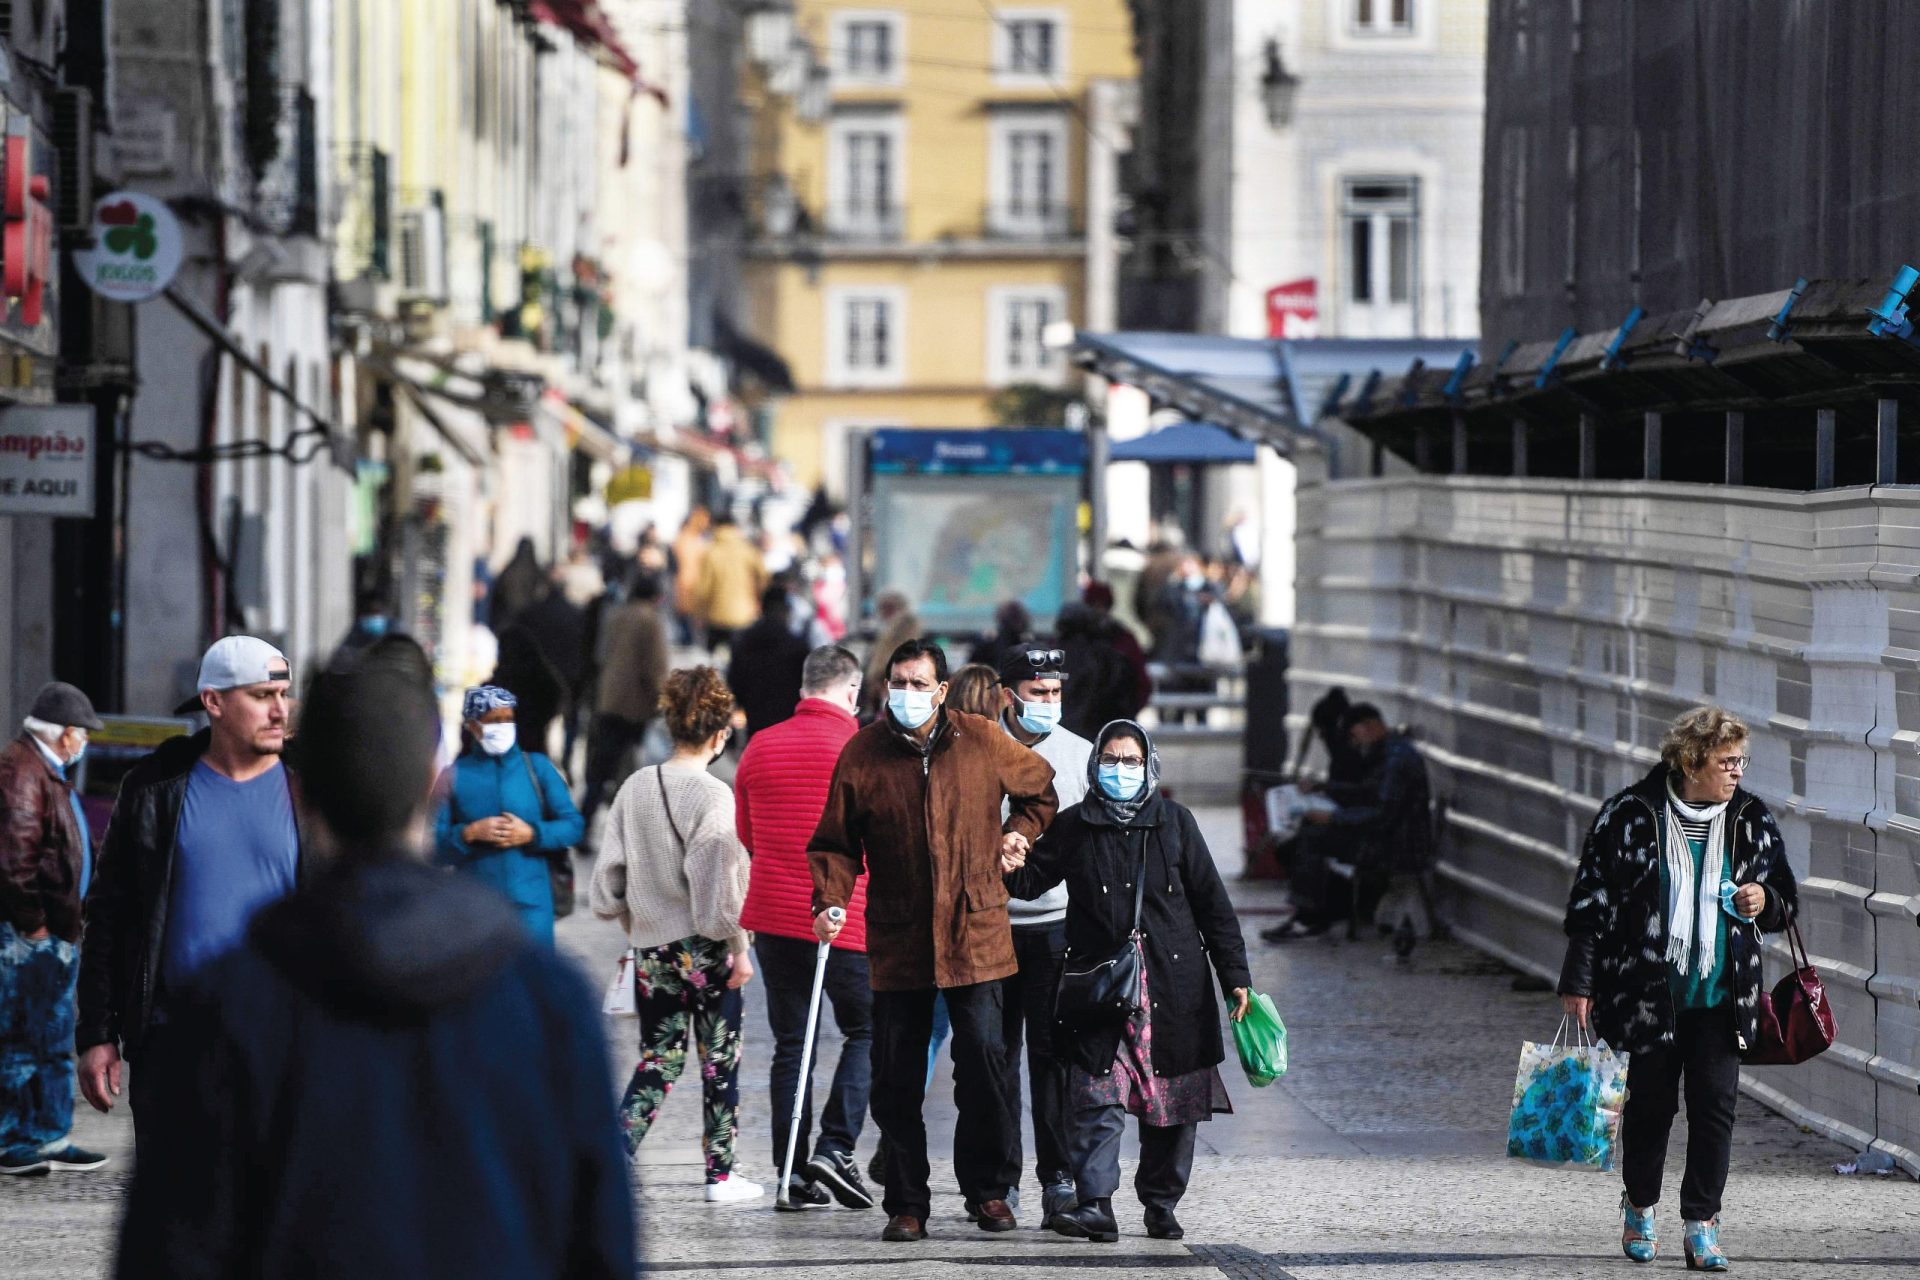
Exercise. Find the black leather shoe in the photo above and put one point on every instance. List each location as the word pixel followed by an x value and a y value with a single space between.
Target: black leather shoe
pixel 1088 1220
pixel 904 1228
pixel 1162 1225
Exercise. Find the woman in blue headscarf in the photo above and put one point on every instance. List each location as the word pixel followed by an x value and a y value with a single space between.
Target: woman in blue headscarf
pixel 1162 1065
pixel 506 813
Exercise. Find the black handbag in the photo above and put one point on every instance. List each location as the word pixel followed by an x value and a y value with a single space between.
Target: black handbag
pixel 559 861
pixel 1107 991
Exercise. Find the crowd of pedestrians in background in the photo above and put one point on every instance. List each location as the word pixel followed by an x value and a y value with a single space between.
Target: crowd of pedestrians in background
pixel 330 939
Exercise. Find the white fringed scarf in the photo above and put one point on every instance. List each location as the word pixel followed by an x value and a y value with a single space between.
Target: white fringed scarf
pixel 1691 906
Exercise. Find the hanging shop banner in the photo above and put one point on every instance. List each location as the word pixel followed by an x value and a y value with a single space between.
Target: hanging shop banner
pixel 137 247
pixel 46 460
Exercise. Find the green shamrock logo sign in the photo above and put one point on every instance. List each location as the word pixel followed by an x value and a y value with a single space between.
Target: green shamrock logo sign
pixel 129 231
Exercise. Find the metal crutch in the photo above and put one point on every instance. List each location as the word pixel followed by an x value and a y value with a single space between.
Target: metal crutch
pixel 834 915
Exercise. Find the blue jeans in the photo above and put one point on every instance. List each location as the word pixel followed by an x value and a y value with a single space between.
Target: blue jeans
pixel 786 967
pixel 36 1039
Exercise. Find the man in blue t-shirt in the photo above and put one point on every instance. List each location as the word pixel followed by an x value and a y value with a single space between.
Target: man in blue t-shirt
pixel 203 835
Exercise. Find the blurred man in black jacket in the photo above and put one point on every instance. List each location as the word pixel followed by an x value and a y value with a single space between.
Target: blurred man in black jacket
pixel 389 1077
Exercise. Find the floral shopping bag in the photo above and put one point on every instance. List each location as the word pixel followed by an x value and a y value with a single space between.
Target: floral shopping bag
pixel 1567 1101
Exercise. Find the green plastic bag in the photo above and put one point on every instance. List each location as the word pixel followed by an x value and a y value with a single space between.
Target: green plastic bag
pixel 1261 1039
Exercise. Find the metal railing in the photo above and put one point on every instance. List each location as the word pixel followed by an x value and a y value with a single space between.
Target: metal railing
pixel 866 222
pixel 1031 220
pixel 287 197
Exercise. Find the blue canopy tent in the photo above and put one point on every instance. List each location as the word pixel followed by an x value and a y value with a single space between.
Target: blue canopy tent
pixel 1194 443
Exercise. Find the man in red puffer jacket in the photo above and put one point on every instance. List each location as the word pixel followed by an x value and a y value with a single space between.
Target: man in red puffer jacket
pixel 779 792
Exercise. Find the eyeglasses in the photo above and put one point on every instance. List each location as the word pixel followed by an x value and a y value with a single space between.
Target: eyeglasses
pixel 1045 659
pixel 1109 759
pixel 1734 764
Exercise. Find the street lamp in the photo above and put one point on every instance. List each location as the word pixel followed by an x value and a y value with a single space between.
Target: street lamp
pixel 770 31
pixel 1278 88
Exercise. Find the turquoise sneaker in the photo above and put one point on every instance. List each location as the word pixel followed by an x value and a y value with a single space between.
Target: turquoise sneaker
pixel 1638 1239
pixel 1703 1247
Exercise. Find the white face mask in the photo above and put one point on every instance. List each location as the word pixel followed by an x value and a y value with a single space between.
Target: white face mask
pixel 498 739
pixel 1038 717
pixel 911 707
pixel 79 750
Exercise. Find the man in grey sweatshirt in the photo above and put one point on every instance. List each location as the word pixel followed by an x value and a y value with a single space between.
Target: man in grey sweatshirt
pixel 1031 678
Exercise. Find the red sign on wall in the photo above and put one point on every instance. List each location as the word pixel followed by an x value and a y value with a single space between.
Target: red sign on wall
pixel 26 256
pixel 1293 309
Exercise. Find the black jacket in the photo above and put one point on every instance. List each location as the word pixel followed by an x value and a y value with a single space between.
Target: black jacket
pixel 1185 916
pixel 1617 921
pixel 389 1079
pixel 1390 809
pixel 764 672
pixel 127 903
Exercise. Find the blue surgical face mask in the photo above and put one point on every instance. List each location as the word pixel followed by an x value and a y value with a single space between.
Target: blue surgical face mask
pixel 1038 717
pixel 1122 781
pixel 911 707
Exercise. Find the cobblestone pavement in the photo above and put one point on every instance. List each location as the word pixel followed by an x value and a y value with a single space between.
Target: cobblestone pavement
pixel 1379 1155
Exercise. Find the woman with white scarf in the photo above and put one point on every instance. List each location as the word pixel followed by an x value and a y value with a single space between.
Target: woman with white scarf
pixel 1680 874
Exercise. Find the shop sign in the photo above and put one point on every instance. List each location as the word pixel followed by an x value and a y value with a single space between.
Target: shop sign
pixel 30 317
pixel 137 247
pixel 46 460
pixel 1293 309
pixel 26 258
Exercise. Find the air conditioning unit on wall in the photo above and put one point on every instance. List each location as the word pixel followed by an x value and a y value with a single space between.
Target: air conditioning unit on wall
pixel 423 252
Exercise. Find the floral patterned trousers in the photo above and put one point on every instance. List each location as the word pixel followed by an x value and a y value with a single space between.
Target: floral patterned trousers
pixel 681 995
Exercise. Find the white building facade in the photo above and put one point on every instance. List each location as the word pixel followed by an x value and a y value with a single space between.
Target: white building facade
pixel 1355 207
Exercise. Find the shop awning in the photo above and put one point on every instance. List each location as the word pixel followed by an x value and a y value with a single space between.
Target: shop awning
pixel 583 434
pixel 1269 389
pixel 1194 443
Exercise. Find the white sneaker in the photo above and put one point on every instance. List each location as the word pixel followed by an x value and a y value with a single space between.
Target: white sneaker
pixel 733 1188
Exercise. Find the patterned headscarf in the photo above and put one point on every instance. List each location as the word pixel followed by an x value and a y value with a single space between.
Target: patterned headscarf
pixel 487 697
pixel 1122 811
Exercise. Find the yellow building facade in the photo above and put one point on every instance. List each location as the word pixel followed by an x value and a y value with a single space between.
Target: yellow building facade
pixel 920 194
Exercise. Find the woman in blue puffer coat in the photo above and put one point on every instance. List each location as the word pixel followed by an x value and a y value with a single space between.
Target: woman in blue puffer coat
pixel 505 812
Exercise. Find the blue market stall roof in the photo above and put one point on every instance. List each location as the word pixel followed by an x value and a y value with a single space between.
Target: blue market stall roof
pixel 1190 442
pixel 1838 344
pixel 1271 389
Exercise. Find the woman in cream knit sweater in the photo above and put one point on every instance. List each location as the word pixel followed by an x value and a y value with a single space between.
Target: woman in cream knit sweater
pixel 674 874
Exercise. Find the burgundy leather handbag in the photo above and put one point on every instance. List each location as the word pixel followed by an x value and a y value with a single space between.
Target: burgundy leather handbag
pixel 1796 1021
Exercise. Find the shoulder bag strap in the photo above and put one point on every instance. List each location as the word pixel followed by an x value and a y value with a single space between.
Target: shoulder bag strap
pixel 660 776
pixel 1140 881
pixel 539 792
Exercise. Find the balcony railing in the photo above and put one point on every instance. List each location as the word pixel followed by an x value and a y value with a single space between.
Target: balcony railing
pixel 287 197
pixel 1030 220
pixel 866 222
pixel 363 216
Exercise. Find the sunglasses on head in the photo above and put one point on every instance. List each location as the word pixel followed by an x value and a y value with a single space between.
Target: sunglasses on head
pixel 1045 659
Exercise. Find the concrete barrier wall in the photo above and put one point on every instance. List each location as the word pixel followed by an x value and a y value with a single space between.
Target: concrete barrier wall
pixel 1541 633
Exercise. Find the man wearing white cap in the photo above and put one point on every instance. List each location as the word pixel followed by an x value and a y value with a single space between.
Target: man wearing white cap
pixel 202 836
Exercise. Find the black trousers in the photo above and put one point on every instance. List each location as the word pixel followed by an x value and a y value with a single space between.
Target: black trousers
pixel 1704 1053
pixel 1166 1157
pixel 902 1026
pixel 608 742
pixel 1027 1013
pixel 786 967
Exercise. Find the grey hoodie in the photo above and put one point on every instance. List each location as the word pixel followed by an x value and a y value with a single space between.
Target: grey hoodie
pixel 1068 753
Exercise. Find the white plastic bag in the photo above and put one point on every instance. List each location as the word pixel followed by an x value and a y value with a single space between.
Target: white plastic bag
pixel 1219 638
pixel 620 1001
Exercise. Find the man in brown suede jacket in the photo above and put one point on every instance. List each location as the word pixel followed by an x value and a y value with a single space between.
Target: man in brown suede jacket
pixel 915 802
